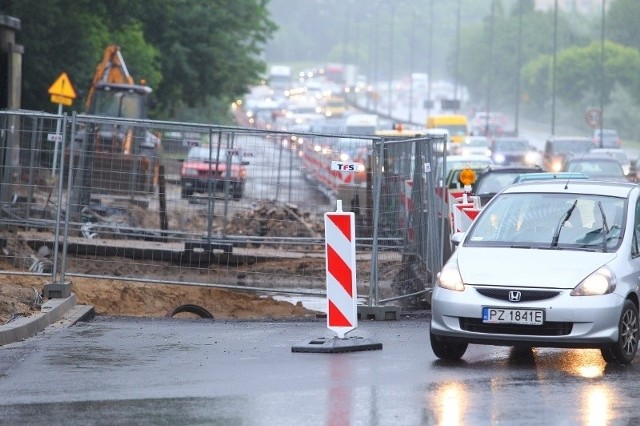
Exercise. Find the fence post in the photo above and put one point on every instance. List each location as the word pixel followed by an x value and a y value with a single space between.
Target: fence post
pixel 60 288
pixel 372 310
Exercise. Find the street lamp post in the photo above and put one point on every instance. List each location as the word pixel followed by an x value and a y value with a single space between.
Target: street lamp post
pixel 389 88
pixel 411 65
pixel 602 73
pixel 375 60
pixel 553 68
pixel 519 62
pixel 429 59
pixel 455 72
pixel 490 68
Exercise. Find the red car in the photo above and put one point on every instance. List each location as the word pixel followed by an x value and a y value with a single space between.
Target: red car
pixel 210 169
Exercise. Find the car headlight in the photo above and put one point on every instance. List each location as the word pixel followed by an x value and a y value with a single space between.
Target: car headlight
pixel 498 158
pixel 449 277
pixel 531 158
pixel 602 281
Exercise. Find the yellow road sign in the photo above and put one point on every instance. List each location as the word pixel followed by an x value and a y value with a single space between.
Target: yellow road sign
pixel 62 87
pixel 57 99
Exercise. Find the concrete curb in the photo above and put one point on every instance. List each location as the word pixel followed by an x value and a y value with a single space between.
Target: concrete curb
pixel 51 311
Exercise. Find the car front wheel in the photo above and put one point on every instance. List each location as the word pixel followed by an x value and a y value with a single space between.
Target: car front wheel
pixel 445 349
pixel 624 350
pixel 237 191
pixel 186 193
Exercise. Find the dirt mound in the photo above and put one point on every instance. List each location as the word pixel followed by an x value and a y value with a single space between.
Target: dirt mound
pixel 19 297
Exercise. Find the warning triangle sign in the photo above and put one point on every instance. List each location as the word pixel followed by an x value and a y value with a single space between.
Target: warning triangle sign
pixel 63 87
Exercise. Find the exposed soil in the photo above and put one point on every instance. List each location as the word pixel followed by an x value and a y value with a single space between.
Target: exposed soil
pixel 19 293
pixel 19 297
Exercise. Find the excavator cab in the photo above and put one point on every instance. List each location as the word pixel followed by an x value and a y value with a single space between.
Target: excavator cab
pixel 115 100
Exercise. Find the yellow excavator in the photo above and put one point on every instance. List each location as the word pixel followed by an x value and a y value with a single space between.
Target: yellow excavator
pixel 132 147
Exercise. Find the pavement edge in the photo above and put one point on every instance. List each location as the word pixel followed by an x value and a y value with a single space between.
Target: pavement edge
pixel 52 311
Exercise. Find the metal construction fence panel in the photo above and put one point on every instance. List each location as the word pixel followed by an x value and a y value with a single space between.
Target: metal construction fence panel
pixel 231 207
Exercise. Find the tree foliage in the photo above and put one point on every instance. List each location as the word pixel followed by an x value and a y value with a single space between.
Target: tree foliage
pixel 622 22
pixel 195 54
pixel 579 73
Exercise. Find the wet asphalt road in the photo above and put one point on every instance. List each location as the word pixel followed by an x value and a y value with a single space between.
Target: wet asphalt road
pixel 194 371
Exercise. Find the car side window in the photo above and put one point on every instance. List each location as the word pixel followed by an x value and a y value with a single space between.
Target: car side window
pixel 635 249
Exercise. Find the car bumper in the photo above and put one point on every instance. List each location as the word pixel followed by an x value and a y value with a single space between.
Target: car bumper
pixel 569 321
pixel 203 185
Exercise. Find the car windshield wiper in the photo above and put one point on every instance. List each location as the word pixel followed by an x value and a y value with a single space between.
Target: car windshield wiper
pixel 589 239
pixel 605 227
pixel 565 217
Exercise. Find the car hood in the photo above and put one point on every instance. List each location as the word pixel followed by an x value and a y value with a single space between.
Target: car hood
pixel 528 267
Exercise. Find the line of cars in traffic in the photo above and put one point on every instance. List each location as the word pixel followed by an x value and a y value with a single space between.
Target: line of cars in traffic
pixel 580 155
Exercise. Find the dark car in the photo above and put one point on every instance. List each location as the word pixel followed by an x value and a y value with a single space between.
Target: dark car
pixel 496 178
pixel 209 169
pixel 557 148
pixel 514 151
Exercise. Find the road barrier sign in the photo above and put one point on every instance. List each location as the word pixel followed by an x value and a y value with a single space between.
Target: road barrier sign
pixel 342 309
pixel 340 243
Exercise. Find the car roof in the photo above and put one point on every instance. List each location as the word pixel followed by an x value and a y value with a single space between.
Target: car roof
pixel 511 169
pixel 204 152
pixel 510 138
pixel 463 158
pixel 608 151
pixel 593 156
pixel 582 186
pixel 569 138
pixel 550 175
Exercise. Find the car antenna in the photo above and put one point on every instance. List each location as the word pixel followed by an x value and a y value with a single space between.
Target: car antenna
pixel 566 185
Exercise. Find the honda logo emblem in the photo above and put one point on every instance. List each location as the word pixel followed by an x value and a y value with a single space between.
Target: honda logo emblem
pixel 514 296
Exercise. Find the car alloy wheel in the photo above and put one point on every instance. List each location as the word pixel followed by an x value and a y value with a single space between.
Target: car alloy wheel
pixel 624 350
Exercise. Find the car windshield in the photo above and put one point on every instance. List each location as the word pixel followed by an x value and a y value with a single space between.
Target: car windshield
pixel 455 129
pixel 596 168
pixel 476 142
pixel 459 165
pixel 550 221
pixel 572 146
pixel 214 154
pixel 511 145
pixel 492 183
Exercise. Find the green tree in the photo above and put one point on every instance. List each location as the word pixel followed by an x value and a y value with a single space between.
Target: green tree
pixel 579 75
pixel 622 22
pixel 193 53
pixel 209 50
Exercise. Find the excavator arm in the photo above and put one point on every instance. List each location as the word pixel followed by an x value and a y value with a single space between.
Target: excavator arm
pixel 112 69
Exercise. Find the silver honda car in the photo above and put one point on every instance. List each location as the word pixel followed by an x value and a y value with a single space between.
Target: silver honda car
pixel 546 263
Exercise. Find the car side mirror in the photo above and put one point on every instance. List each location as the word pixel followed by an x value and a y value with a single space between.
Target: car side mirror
pixel 457 238
pixel 245 163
